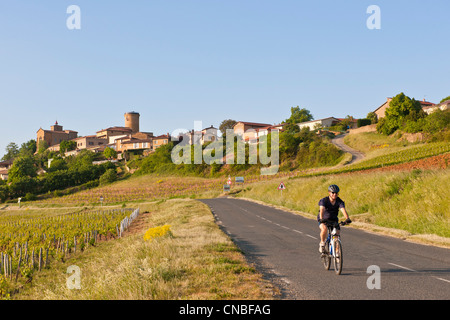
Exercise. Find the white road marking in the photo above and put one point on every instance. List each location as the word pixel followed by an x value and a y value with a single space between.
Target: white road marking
pixel 396 265
pixel 287 228
pixel 412 270
pixel 442 279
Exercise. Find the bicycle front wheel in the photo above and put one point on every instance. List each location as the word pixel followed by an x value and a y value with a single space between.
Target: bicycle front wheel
pixel 326 258
pixel 338 257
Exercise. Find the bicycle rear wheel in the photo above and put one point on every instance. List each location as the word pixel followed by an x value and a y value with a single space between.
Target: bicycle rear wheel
pixel 338 257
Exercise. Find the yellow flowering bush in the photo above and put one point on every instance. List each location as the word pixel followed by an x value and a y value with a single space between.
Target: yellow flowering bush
pixel 157 232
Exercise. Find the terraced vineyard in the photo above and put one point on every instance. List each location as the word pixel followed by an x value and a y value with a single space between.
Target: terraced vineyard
pixel 151 188
pixel 29 243
pixel 410 154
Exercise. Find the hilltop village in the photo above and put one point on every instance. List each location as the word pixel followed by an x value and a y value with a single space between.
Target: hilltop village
pixel 129 139
pixel 120 139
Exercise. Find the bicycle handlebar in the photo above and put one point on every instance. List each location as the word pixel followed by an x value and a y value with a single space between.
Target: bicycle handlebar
pixel 332 223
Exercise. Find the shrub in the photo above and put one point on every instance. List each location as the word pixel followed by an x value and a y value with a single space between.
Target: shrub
pixel 108 177
pixel 157 232
pixel 363 122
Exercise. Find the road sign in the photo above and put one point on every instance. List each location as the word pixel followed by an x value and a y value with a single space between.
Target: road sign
pixel 239 179
pixel 226 188
pixel 281 186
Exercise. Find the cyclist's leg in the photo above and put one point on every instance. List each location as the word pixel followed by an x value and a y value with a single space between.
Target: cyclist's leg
pixel 338 229
pixel 323 232
pixel 323 236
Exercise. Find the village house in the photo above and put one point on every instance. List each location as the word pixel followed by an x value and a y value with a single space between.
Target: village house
pixel 353 123
pixel 209 134
pixel 442 106
pixel 119 138
pixel 381 110
pixel 320 123
pixel 134 144
pixel 127 138
pixel 201 137
pixel 89 142
pixel 266 130
pixel 55 135
pixel 4 168
pixel 249 130
pixel 3 174
pixel 161 140
pixel 113 132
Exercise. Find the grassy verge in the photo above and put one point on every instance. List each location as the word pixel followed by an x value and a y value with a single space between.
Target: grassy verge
pixel 197 261
pixel 371 142
pixel 415 201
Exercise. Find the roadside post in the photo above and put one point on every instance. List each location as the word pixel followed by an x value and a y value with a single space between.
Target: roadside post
pixel 18 201
pixel 101 201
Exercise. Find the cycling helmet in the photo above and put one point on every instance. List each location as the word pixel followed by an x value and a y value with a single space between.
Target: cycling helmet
pixel 333 188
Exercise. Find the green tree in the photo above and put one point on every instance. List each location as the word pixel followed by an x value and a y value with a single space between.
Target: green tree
pixel 445 99
pixel 22 185
pixel 58 164
pixel 299 115
pixel 401 109
pixel 4 192
pixel 28 148
pixel 42 146
pixel 372 116
pixel 22 167
pixel 289 143
pixel 158 161
pixel 110 153
pixel 108 177
pixel 12 151
pixel 226 124
pixel 67 145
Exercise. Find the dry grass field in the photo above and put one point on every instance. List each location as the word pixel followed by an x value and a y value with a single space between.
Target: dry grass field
pixel 195 261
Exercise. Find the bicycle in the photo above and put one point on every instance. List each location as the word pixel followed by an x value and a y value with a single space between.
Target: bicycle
pixel 333 247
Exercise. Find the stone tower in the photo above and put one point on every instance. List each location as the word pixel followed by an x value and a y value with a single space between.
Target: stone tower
pixel 132 121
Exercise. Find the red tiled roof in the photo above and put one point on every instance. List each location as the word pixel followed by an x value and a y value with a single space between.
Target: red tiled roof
pixel 116 129
pixel 163 136
pixel 254 124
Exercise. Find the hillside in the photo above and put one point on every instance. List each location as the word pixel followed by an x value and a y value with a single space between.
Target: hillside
pixel 400 189
pixel 374 188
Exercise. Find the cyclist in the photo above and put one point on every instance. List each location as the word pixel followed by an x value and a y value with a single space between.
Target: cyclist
pixel 328 210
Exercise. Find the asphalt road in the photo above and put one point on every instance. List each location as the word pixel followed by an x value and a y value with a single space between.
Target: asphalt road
pixel 339 142
pixel 284 247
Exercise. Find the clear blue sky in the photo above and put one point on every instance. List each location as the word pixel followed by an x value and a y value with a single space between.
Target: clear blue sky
pixel 176 62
